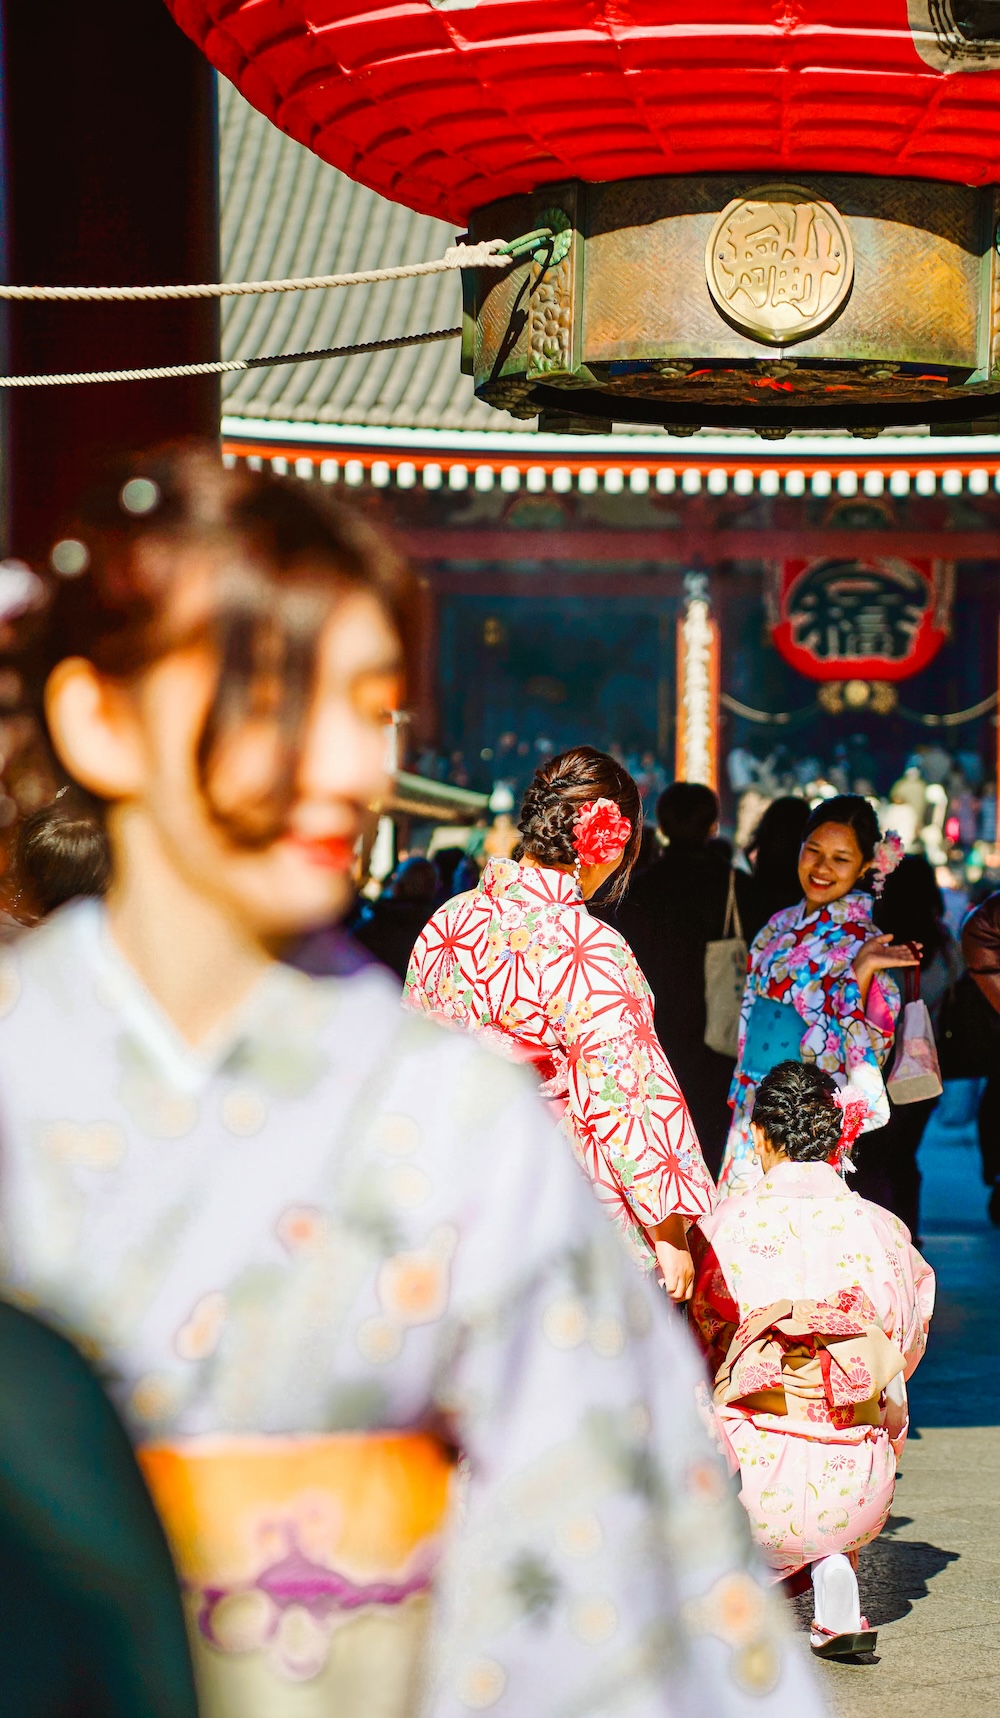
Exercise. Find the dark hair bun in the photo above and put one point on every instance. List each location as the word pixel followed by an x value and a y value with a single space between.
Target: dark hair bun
pixel 795 1109
pixel 551 805
pixel 546 823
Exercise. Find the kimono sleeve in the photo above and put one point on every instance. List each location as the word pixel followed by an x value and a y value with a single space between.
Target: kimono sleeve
pixel 603 1563
pixel 625 1105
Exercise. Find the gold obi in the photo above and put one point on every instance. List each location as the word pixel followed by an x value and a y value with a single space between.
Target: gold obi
pixel 306 1564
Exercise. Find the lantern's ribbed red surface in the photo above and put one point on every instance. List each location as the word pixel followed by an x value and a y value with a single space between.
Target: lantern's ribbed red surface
pixel 447 107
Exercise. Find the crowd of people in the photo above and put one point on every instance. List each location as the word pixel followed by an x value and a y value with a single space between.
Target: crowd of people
pixel 412 1415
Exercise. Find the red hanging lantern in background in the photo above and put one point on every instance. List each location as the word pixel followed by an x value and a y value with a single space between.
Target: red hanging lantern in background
pixel 448 106
pixel 879 619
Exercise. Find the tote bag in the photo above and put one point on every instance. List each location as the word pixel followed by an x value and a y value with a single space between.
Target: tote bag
pixel 916 1072
pixel 725 977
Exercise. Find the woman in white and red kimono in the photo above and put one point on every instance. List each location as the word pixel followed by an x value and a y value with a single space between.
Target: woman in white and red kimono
pixel 521 960
pixel 812 1307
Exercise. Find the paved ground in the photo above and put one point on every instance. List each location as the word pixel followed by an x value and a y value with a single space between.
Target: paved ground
pixel 931 1583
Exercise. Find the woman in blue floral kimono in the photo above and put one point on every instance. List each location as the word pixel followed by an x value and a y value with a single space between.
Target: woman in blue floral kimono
pixel 818 987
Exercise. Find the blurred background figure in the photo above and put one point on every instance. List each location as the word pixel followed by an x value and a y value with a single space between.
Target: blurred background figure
pixel 773 852
pixel 912 909
pixel 91 1624
pixel 456 872
pixel 671 912
pixel 981 949
pixel 389 927
pixel 61 852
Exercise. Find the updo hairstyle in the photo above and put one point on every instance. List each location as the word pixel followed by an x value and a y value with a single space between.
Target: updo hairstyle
pixel 852 811
pixel 795 1109
pixel 551 805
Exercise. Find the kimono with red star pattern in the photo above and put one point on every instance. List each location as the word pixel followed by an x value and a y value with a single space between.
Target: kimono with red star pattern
pixel 521 961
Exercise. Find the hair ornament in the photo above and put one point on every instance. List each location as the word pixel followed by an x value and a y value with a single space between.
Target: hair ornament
pixel 854 1107
pixel 888 852
pixel 599 832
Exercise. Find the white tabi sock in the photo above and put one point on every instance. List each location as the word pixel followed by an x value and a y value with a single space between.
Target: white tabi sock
pixel 836 1601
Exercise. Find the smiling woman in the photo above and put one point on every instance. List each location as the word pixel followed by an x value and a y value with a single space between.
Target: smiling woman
pixel 818 988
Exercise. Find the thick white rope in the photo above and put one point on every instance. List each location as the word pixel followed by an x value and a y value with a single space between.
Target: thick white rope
pixel 485 255
pixel 223 366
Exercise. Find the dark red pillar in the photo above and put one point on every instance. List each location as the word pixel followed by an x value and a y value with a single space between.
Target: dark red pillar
pixel 111 179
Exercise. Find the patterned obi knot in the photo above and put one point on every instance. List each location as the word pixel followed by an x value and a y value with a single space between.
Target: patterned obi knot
pixel 822 1361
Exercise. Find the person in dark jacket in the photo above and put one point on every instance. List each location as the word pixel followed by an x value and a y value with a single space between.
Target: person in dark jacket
pixel 671 912
pixel 773 851
pixel 389 927
pixel 912 908
pixel 981 949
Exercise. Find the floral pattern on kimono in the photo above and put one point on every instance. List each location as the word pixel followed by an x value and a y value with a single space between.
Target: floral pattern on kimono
pixel 819 1479
pixel 805 957
pixel 303 1252
pixel 520 960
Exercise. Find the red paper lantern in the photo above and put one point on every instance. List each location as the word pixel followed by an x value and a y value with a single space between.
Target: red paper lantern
pixel 447 106
pixel 879 619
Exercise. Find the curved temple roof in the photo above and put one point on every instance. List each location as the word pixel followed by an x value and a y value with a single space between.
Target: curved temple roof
pixel 286 213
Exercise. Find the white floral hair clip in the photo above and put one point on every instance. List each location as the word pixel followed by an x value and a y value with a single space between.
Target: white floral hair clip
pixel 888 852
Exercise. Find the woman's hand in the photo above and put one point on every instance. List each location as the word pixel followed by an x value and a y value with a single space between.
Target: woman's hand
pixel 880 953
pixel 669 1238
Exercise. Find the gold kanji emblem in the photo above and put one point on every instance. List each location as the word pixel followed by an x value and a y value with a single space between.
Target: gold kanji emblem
pixel 779 263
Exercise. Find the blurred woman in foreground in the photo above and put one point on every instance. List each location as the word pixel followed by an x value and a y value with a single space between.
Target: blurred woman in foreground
pixel 521 959
pixel 317 1242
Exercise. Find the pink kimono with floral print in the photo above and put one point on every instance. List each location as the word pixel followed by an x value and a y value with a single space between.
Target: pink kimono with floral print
pixel 817 1477
pixel 521 961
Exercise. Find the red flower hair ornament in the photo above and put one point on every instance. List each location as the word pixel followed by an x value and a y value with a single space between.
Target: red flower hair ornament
pixel 599 832
pixel 854 1107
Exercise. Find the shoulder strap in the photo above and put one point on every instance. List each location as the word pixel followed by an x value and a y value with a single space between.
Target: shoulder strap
pixel 733 921
pixel 911 979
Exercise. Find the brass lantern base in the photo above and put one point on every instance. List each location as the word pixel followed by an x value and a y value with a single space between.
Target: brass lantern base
pixel 843 302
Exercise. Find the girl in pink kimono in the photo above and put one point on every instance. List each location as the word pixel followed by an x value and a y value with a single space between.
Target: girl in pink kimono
pixel 813 1308
pixel 521 960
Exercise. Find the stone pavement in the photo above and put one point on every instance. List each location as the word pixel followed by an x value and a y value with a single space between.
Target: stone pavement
pixel 931 1583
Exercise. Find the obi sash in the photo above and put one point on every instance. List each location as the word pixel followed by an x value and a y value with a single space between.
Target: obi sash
pixel 306 1564
pixel 811 1360
pixel 775 1031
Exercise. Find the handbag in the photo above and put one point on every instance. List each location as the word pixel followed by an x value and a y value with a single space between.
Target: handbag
pixel 916 1071
pixel 968 1032
pixel 725 977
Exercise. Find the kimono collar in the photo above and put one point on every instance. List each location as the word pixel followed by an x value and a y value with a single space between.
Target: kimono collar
pixel 282 1004
pixel 790 1180
pixel 853 908
pixel 505 879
